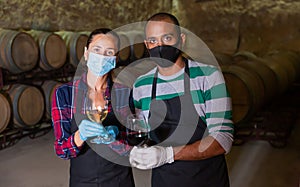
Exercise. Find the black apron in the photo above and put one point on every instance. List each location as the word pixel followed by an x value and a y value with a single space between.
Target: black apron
pixel 89 169
pixel 181 125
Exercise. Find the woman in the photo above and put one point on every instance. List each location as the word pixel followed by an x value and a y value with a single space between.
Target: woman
pixel 73 130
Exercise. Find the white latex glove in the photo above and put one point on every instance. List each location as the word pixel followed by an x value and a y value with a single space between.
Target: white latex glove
pixel 150 157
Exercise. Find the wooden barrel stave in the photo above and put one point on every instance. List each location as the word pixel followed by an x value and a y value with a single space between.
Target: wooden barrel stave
pixel 125 50
pixel 53 50
pixel 18 51
pixel 48 88
pixel 27 105
pixel 246 90
pixel 282 62
pixel 75 43
pixel 251 62
pixel 138 46
pixel 5 111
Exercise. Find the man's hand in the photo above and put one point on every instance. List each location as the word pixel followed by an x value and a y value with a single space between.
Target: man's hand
pixel 151 157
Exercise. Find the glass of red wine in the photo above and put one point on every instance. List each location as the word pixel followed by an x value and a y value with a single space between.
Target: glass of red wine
pixel 137 130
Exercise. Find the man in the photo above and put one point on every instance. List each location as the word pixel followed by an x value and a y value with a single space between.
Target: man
pixel 188 109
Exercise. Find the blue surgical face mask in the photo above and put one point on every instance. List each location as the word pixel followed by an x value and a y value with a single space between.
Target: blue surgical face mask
pixel 100 64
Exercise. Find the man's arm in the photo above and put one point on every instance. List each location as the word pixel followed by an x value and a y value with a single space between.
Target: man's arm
pixel 202 149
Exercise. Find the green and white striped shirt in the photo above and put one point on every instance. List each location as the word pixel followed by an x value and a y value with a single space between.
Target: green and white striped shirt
pixel 209 95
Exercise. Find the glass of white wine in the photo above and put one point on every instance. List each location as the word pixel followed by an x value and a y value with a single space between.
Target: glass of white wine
pixel 137 130
pixel 97 111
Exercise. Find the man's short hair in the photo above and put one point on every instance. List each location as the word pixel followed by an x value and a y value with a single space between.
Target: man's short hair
pixel 161 16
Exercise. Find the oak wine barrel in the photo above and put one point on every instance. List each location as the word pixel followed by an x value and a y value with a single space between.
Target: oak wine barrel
pixel 288 60
pixel 18 51
pixel 5 111
pixel 125 50
pixel 27 104
pixel 75 43
pixel 132 47
pixel 252 63
pixel 48 88
pixel 246 90
pixel 138 47
pixel 223 59
pixel 53 50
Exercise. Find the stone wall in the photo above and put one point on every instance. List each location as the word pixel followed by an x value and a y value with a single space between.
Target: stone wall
pixel 225 26
pixel 228 26
pixel 76 15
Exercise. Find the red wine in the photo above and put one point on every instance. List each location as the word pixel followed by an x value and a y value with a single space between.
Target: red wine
pixel 136 138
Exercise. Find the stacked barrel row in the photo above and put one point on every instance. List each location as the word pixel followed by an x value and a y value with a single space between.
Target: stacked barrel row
pixel 22 51
pixel 24 106
pixel 254 82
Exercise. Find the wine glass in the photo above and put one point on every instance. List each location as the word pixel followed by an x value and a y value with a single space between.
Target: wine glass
pixel 137 130
pixel 96 110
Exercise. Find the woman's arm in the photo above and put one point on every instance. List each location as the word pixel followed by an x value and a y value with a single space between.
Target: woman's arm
pixel 66 143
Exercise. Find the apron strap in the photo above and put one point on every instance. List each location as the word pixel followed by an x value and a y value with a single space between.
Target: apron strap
pixel 186 77
pixel 153 94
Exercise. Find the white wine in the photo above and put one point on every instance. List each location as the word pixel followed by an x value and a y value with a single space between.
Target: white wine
pixel 97 115
pixel 97 111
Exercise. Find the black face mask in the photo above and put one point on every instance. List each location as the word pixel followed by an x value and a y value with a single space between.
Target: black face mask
pixel 165 55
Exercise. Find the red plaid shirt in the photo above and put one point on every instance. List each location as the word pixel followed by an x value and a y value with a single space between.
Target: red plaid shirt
pixel 63 110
